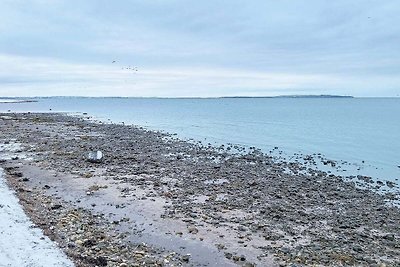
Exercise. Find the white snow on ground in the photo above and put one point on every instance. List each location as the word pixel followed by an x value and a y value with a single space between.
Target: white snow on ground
pixel 10 147
pixel 10 150
pixel 21 244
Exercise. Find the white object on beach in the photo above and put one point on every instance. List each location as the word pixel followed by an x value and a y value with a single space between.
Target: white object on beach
pixel 22 244
pixel 95 156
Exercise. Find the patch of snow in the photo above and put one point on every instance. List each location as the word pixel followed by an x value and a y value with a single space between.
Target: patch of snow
pixel 12 150
pixel 10 147
pixel 216 181
pixel 21 243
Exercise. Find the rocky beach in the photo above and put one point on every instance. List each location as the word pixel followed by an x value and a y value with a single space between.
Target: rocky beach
pixel 151 199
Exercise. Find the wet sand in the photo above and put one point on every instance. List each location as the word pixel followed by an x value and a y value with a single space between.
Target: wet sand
pixel 166 202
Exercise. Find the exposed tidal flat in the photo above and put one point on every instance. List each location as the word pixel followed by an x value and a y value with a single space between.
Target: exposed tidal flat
pixel 362 133
pixel 157 200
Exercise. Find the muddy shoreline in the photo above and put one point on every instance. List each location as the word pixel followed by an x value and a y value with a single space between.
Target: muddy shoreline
pixel 190 204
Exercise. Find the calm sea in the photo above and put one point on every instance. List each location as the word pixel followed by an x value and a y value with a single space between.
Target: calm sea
pixel 362 131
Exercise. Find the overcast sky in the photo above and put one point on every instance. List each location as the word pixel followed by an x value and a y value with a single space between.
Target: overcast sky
pixel 199 48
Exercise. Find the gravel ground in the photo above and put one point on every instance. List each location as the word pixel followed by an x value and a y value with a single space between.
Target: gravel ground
pixel 195 204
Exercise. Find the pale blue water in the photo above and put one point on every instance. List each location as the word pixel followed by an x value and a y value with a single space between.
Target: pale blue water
pixel 350 129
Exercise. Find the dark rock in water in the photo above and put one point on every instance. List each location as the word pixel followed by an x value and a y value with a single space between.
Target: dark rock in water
pixel 56 207
pixel 17 174
pixel 186 258
pixel 366 179
pixel 390 184
pixel 228 255
pixel 95 156
pixel 193 230
pixel 239 258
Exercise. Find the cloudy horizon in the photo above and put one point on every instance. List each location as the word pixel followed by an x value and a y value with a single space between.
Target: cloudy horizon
pixel 199 49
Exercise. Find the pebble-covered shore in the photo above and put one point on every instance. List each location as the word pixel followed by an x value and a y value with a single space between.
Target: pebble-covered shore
pixel 222 205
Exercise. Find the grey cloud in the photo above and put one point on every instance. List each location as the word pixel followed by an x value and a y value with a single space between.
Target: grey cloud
pixel 353 39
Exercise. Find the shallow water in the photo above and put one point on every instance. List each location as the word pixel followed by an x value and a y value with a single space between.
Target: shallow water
pixel 362 131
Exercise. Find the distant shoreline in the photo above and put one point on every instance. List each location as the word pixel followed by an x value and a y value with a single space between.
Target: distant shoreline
pixel 14 100
pixel 24 99
pixel 293 96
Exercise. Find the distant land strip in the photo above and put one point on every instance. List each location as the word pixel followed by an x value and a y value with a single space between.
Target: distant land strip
pixel 29 99
pixel 293 96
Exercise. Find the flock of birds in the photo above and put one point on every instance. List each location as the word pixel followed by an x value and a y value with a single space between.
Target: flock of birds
pixel 135 69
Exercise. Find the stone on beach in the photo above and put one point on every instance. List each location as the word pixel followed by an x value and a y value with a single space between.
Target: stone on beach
pixel 95 156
